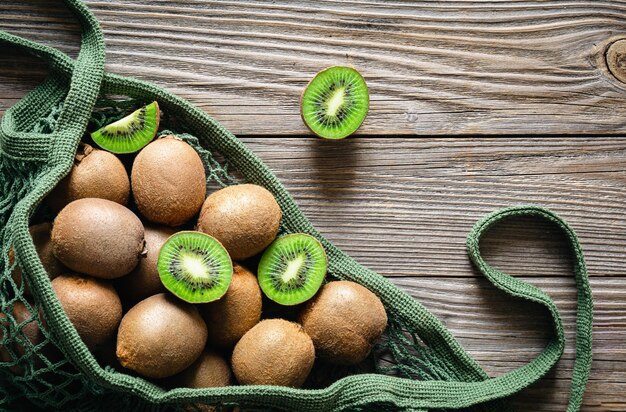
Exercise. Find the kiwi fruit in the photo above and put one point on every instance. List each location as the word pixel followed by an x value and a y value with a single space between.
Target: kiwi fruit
pixel 5 355
pixel 335 102
pixel 344 320
pixel 98 237
pixel 168 181
pixel 40 234
pixel 245 218
pixel 28 335
pixel 274 352
pixel 160 337
pixel 211 370
pixel 131 133
pixel 144 280
pixel 195 267
pixel 229 318
pixel 31 334
pixel 105 355
pixel 92 305
pixel 292 269
pixel 96 173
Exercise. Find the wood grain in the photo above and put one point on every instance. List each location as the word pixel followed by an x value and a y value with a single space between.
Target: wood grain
pixel 434 68
pixel 404 206
pixel 400 205
pixel 503 334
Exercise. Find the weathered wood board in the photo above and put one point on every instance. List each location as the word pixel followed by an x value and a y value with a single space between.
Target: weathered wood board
pixel 434 68
pixel 398 202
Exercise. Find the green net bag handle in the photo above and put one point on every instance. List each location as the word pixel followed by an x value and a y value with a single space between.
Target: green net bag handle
pixel 16 140
pixel 358 390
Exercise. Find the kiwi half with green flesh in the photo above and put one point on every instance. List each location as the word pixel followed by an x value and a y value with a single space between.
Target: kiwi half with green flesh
pixel 195 267
pixel 131 133
pixel 292 269
pixel 335 102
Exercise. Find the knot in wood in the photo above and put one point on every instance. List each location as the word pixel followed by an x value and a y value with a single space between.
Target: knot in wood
pixel 616 59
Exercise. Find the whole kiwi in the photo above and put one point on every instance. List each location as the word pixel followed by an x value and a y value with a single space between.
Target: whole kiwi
pixel 168 181
pixel 92 305
pixel 160 336
pixel 29 335
pixel 344 320
pixel 98 237
pixel 210 370
pixel 41 238
pixel 230 317
pixel 274 352
pixel 144 280
pixel 96 173
pixel 5 355
pixel 244 218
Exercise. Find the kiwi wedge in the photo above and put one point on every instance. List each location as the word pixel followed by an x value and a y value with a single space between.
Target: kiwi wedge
pixel 335 102
pixel 131 133
pixel 292 269
pixel 195 267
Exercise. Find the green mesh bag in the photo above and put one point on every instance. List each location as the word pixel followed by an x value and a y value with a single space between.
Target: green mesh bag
pixel 418 365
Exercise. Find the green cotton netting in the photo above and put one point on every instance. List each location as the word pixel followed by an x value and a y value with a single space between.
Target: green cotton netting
pixel 37 365
pixel 417 365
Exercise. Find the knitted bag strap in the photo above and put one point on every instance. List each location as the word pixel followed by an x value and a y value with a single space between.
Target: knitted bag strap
pixel 355 390
pixel 17 140
pixel 518 288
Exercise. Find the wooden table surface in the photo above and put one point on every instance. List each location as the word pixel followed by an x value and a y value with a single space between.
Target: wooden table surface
pixel 475 105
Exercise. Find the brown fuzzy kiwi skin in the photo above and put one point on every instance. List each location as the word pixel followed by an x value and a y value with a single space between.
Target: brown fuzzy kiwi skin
pixel 230 317
pixel 274 352
pixel 344 320
pixel 4 325
pixel 92 305
pixel 29 336
pixel 168 181
pixel 105 355
pixel 98 237
pixel 96 173
pixel 144 280
pixel 210 370
pixel 160 337
pixel 41 238
pixel 244 218
pixel 30 332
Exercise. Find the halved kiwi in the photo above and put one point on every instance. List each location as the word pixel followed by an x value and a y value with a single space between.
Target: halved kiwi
pixel 195 267
pixel 292 269
pixel 335 102
pixel 131 133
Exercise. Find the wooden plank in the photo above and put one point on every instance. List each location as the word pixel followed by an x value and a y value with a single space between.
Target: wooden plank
pixel 434 68
pixel 403 207
pixel 503 333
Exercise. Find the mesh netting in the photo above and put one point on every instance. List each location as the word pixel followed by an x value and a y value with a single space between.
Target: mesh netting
pixel 34 369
